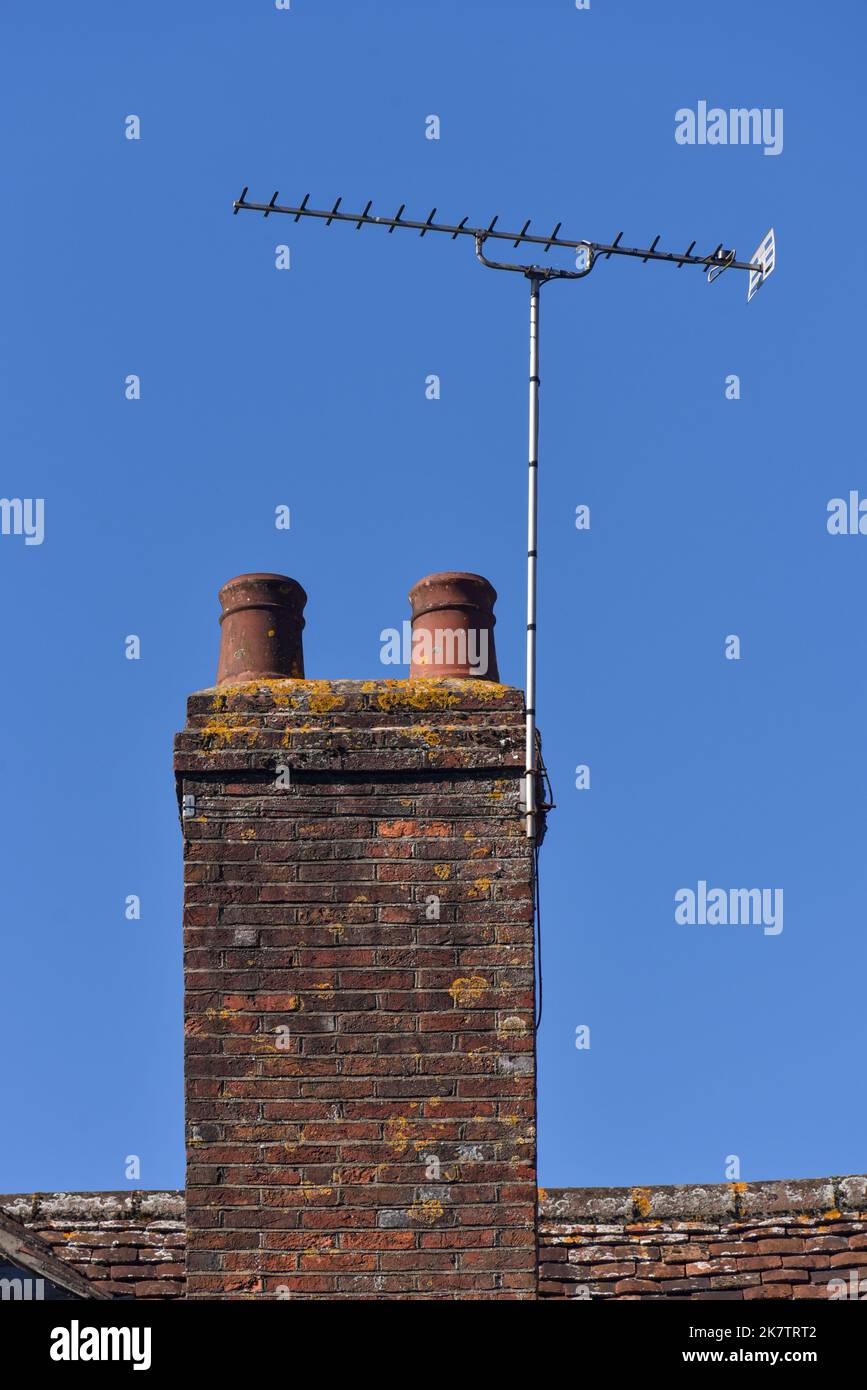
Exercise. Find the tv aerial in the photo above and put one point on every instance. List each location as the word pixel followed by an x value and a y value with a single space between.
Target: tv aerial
pixel 587 254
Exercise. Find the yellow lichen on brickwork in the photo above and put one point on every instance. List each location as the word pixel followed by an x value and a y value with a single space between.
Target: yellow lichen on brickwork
pixel 436 1129
pixel 427 1212
pixel 480 887
pixel 430 694
pixel 512 1027
pixel 430 736
pixel 416 693
pixel 397 1133
pixel 322 698
pixel 467 989
pixel 641 1200
pixel 318 696
pixel 482 690
pixel 276 686
pixel 281 690
pixel 420 695
pixel 223 734
pixel 443 870
pixel 291 730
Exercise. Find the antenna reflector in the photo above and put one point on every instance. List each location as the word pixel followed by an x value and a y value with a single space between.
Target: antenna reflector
pixel 764 258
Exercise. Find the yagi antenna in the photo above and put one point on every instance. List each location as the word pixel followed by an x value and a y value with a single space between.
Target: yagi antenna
pixel 587 253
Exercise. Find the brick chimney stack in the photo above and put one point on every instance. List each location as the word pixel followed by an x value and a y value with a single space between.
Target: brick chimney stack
pixel 358 963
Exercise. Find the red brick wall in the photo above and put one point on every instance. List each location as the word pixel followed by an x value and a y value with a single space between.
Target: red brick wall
pixel 383 1144
pixel 789 1240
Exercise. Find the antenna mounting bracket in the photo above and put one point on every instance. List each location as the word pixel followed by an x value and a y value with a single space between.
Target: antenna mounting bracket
pixel 538 272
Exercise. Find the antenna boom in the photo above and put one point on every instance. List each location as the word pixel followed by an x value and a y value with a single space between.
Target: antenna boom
pixel 718 259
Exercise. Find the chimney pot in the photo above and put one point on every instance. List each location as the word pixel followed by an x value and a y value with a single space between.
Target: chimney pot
pixel 457 610
pixel 262 621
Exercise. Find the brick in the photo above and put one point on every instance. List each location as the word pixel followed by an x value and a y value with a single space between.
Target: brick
pixel 763 1262
pixel 615 1271
pixel 849 1259
pixel 769 1291
pixel 788 1246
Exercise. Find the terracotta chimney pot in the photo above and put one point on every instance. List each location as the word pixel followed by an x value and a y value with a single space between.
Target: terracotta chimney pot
pixel 262 621
pixel 453 627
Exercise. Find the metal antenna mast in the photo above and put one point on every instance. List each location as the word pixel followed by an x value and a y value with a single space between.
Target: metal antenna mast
pixel 586 254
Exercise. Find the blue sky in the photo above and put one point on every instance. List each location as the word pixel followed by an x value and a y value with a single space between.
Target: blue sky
pixel 307 388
